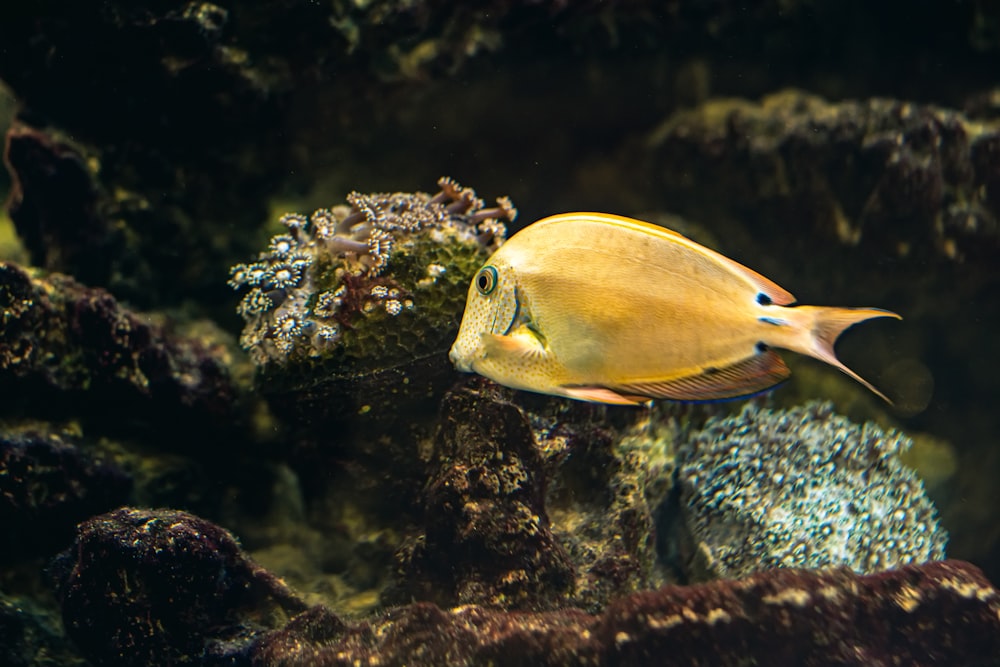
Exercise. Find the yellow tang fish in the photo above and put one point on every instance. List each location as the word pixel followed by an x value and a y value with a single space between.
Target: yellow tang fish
pixel 603 308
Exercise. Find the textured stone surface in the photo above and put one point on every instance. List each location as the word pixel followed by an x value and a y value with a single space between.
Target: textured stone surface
pixel 31 636
pixel 70 350
pixel 55 205
pixel 166 145
pixel 937 614
pixel 894 176
pixel 534 505
pixel 142 587
pixel 607 482
pixel 488 538
pixel 48 484
pixel 124 218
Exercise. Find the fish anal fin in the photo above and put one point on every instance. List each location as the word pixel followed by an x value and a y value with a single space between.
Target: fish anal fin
pixel 601 395
pixel 744 378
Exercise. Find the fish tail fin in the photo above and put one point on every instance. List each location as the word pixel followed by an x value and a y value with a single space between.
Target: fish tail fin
pixel 821 326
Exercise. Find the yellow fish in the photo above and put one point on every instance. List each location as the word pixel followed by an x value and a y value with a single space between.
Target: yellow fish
pixel 603 308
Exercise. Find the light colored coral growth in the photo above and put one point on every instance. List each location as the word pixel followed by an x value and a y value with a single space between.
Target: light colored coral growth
pixel 804 488
pixel 336 263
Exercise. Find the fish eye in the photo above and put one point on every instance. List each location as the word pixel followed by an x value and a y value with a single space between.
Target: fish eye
pixel 486 280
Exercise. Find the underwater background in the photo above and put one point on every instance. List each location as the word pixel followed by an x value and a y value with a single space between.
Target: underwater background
pixel 200 464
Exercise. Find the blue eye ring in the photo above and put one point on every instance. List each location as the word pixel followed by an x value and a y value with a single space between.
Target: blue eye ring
pixel 486 280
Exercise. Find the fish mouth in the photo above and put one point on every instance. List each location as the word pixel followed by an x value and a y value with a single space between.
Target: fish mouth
pixel 459 361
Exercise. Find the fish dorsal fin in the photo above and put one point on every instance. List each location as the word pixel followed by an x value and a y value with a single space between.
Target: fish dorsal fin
pixel 774 292
pixel 754 374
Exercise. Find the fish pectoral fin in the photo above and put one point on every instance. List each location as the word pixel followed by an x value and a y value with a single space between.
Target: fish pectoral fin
pixel 521 342
pixel 749 376
pixel 601 395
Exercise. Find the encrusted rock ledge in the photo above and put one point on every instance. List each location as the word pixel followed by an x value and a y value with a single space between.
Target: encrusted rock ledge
pixel 943 613
pixel 940 613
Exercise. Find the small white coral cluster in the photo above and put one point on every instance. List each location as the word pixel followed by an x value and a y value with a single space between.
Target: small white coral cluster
pixel 804 488
pixel 332 265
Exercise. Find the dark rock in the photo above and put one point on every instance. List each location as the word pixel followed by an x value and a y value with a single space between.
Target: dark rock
pixel 143 587
pixel 31 636
pixel 943 613
pixel 162 75
pixel 536 507
pixel 165 148
pixel 56 205
pixel 608 476
pixel 896 177
pixel 487 538
pixel 91 212
pixel 70 350
pixel 48 484
pixel 165 587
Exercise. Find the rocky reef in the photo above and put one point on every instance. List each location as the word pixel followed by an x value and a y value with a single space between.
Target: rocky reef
pixel 488 538
pixel 174 581
pixel 67 350
pixel 49 485
pixel 906 178
pixel 783 617
pixel 228 605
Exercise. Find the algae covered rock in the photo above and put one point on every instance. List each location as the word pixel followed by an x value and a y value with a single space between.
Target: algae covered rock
pixel 902 177
pixel 357 305
pixel 71 350
pixel 947 610
pixel 606 494
pixel 488 539
pixel 801 488
pixel 534 505
pixel 161 587
pixel 31 635
pixel 48 484
pixel 143 587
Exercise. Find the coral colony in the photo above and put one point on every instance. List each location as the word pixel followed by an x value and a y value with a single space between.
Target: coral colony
pixel 804 488
pixel 334 267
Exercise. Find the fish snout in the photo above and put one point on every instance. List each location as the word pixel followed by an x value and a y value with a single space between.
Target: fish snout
pixel 458 359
